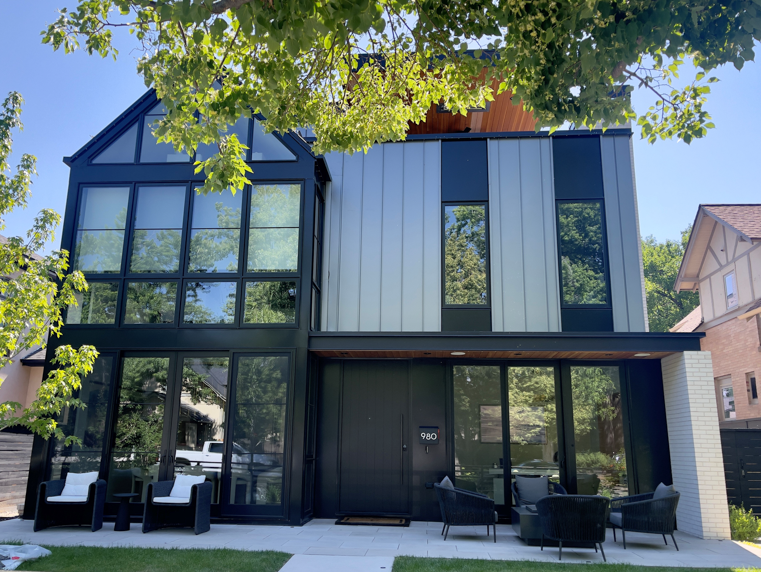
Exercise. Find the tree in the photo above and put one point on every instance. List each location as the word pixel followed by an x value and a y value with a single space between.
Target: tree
pixel 661 260
pixel 359 71
pixel 34 292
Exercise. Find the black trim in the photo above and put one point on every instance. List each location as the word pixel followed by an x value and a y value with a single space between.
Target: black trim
pixel 520 134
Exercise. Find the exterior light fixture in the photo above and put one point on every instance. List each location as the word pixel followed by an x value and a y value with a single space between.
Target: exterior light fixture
pixel 641 355
pixel 458 353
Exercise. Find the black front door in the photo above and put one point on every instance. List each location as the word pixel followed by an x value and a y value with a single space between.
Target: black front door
pixel 374 461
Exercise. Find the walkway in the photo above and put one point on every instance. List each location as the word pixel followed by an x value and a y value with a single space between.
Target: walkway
pixel 371 548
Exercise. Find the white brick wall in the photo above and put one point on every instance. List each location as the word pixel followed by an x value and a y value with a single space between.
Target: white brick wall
pixel 696 461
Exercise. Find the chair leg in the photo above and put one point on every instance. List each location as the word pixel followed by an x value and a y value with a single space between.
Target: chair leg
pixel 623 534
pixel 666 542
pixel 614 534
pixel 595 547
pixel 541 544
pixel 674 541
pixel 603 553
pixel 487 530
pixel 560 549
pixel 495 533
pixel 446 533
pixel 443 528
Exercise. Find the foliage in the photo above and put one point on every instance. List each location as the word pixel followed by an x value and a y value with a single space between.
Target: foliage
pixel 359 72
pixel 581 253
pixel 96 559
pixel 743 524
pixel 661 261
pixel 34 293
pixel 465 254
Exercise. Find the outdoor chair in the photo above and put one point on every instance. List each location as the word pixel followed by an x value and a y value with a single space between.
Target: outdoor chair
pixel 78 499
pixel 651 513
pixel 465 508
pixel 184 502
pixel 528 490
pixel 578 519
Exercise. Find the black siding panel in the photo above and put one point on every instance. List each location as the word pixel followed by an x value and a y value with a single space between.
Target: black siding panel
pixel 586 319
pixel 466 320
pixel 578 167
pixel 464 171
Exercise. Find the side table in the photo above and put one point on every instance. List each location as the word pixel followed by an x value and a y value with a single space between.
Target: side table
pixel 122 516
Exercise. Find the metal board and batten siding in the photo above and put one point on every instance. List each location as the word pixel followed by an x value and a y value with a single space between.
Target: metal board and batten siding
pixel 624 247
pixel 741 450
pixel 382 266
pixel 524 268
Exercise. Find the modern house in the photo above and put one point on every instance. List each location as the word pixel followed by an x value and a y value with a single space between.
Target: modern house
pixel 350 329
pixel 723 263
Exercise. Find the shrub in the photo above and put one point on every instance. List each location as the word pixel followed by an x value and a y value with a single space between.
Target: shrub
pixel 743 524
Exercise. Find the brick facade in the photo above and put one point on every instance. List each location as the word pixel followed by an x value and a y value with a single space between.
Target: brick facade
pixel 695 447
pixel 734 347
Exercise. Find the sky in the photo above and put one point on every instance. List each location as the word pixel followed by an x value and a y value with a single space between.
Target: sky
pixel 71 98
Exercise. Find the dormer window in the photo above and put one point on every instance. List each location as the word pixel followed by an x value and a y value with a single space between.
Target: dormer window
pixel 730 288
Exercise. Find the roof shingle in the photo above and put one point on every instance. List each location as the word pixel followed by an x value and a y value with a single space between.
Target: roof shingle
pixel 745 218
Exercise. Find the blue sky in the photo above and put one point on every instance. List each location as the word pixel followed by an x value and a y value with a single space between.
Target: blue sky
pixel 70 98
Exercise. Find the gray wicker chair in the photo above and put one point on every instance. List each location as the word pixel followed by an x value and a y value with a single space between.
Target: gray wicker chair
pixel 465 508
pixel 553 488
pixel 196 513
pixel 579 519
pixel 90 512
pixel 643 513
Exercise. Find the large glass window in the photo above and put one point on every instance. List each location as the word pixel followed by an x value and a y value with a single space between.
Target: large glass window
pixel 465 255
pixel 582 253
pixel 478 461
pixel 100 229
pixel 88 424
pixel 139 426
pixel 150 302
pixel 533 422
pixel 270 303
pixel 151 151
pixel 201 424
pixel 95 306
pixel 158 229
pixel 261 395
pixel 267 147
pixel 599 431
pixel 273 243
pixel 210 302
pixel 215 232
pixel 120 151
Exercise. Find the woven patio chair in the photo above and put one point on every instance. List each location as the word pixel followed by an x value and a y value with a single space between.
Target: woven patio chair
pixel 579 519
pixel 465 508
pixel 651 513
pixel 59 505
pixel 184 502
pixel 528 490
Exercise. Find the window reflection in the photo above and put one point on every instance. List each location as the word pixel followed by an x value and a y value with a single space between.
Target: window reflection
pixel 151 151
pixel 240 129
pixel 270 303
pixel 274 228
pixel 100 229
pixel 478 430
pixel 158 229
pixel 582 257
pixel 150 302
pixel 210 302
pixel 120 151
pixel 95 306
pixel 465 254
pixel 267 147
pixel 215 232
pixel 599 432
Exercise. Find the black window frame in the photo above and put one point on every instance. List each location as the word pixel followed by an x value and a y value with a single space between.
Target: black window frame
pixel 444 305
pixel 606 257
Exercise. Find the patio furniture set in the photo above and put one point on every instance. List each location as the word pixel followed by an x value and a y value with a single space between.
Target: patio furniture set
pixel 81 497
pixel 544 513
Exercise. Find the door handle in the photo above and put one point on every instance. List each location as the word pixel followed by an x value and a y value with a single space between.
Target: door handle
pixel 402 449
pixel 742 469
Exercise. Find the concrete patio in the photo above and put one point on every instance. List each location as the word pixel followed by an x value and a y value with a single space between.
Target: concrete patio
pixel 321 545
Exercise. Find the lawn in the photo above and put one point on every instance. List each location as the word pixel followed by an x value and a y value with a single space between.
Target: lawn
pixel 413 564
pixel 92 559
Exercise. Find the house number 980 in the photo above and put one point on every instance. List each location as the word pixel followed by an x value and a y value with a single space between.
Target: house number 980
pixel 429 436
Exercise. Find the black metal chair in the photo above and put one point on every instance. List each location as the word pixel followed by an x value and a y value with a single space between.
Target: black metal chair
pixel 465 508
pixel 643 513
pixel 195 513
pixel 553 488
pixel 579 519
pixel 50 513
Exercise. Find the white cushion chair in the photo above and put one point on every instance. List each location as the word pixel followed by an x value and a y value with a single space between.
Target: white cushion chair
pixel 183 502
pixel 76 500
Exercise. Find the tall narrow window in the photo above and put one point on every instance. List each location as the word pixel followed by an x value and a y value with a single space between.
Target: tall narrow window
pixel 582 253
pixel 730 288
pixel 319 217
pixel 465 255
pixel 151 151
pixel 100 229
pixel 726 398
pixel 750 383
pixel 158 230
pixel 215 232
pixel 273 241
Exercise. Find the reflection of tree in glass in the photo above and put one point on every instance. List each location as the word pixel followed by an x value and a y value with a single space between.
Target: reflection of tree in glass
pixel 270 303
pixel 465 254
pixel 156 251
pixel 101 250
pixel 581 252
pixel 531 394
pixel 197 308
pixel 274 222
pixel 96 306
pixel 195 380
pixel 216 249
pixel 593 388
pixel 150 302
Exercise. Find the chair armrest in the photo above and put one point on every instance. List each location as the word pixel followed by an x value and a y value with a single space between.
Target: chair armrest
pixel 201 492
pixel 159 489
pixel 473 493
pixel 51 488
pixel 617 503
pixel 558 489
pixel 657 515
pixel 97 490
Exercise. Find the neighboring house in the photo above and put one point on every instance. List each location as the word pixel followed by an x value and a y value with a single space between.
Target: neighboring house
pixel 350 329
pixel 723 262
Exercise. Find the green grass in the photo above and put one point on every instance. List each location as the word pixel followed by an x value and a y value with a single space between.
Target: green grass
pixel 95 559
pixel 414 564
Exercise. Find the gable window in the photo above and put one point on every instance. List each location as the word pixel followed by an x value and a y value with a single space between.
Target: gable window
pixel 151 151
pixel 726 398
pixel 465 255
pixel 750 384
pixel 730 289
pixel 583 264
pixel 100 229
pixel 120 151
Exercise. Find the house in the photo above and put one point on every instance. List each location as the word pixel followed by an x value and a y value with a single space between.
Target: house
pixel 350 329
pixel 723 263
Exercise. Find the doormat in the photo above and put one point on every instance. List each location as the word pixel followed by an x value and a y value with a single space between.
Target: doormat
pixel 372 521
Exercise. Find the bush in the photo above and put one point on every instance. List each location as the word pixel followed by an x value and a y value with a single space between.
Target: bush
pixel 743 524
